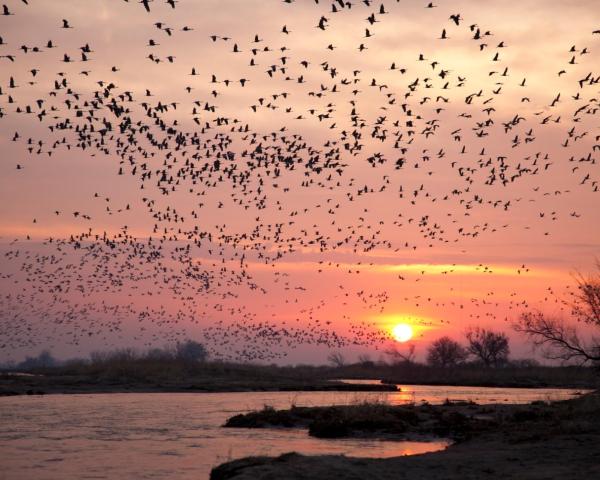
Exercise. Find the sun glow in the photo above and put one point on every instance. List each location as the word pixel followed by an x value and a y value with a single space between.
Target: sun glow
pixel 402 332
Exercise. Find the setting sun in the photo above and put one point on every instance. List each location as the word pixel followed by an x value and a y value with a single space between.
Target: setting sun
pixel 402 332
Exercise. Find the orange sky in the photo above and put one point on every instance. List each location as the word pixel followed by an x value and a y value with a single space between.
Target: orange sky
pixel 434 243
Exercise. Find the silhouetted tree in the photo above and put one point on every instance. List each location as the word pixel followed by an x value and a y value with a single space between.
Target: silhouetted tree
pixel 445 352
pixel 162 354
pixel 560 340
pixel 524 363
pixel 191 351
pixel 399 356
pixel 43 360
pixel 336 359
pixel 365 360
pixel 8 365
pixel 490 347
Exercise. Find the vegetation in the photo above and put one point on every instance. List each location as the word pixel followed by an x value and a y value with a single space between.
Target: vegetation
pixel 399 355
pixel 336 359
pixel 459 421
pixel 474 374
pixel 182 368
pixel 562 340
pixel 486 347
pixel 43 360
pixel 483 361
pixel 493 441
pixel 191 351
pixel 372 419
pixel 489 347
pixel 445 352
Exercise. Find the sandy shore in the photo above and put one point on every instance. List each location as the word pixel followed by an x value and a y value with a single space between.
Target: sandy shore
pixel 561 442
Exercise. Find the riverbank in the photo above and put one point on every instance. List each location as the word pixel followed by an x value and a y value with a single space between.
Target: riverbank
pixel 535 441
pixel 127 373
pixel 504 377
pixel 77 384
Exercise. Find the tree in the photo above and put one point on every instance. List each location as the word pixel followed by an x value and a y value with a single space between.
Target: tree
pixel 8 365
pixel 586 298
pixel 161 354
pixel 557 339
pixel 365 360
pixel 191 351
pixel 490 347
pixel 336 359
pixel 560 340
pixel 445 352
pixel 43 360
pixel 524 363
pixel 399 356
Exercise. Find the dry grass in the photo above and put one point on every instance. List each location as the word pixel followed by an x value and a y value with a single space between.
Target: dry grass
pixel 542 440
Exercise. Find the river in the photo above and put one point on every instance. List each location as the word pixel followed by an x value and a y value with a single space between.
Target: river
pixel 179 435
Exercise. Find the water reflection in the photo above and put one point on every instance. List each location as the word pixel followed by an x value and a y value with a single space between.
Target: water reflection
pixel 481 395
pixel 178 436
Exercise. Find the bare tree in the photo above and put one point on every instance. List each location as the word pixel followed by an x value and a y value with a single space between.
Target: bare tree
pixel 365 360
pixel 560 340
pixel 586 299
pixel 336 359
pixel 445 352
pixel 399 356
pixel 557 339
pixel 488 346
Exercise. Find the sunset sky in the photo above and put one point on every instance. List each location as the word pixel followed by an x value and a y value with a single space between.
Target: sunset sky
pixel 403 217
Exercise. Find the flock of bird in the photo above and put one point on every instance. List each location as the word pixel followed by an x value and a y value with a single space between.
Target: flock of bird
pixel 360 163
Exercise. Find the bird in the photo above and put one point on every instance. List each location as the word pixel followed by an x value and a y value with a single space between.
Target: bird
pixel 329 161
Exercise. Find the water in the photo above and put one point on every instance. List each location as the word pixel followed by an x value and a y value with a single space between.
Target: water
pixel 482 395
pixel 178 435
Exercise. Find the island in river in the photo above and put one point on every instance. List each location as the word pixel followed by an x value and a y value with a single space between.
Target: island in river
pixel 558 440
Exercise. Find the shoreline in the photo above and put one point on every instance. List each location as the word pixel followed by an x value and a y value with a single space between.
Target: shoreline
pixel 13 385
pixel 42 385
pixel 31 390
pixel 514 384
pixel 533 441
pixel 147 375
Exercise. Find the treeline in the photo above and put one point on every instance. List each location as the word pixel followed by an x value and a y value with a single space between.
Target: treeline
pixel 187 354
pixel 482 360
pixel 483 348
pixel 517 373
pixel 163 367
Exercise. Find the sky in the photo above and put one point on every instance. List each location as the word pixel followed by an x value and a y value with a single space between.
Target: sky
pixel 400 164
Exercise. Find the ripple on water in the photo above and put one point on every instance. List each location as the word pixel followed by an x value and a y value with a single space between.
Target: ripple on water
pixel 179 436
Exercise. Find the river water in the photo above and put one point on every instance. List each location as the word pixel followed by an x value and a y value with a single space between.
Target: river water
pixel 179 435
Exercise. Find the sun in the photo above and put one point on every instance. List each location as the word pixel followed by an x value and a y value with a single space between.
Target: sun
pixel 402 332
